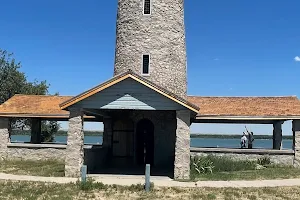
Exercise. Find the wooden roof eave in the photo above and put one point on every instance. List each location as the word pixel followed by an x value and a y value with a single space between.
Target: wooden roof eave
pixel 120 78
pixel 58 117
pixel 235 117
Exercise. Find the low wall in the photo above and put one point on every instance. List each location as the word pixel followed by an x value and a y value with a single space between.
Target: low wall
pixel 95 155
pixel 25 151
pixel 284 157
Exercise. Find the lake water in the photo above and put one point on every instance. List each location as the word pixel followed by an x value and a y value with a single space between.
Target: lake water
pixel 195 142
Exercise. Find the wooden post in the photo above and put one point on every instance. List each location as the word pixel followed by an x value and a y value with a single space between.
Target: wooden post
pixel 147 178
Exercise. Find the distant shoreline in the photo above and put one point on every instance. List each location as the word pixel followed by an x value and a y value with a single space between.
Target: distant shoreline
pixel 220 136
pixel 193 135
pixel 59 133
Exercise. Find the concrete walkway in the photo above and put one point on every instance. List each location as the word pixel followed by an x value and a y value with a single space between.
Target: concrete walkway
pixel 158 181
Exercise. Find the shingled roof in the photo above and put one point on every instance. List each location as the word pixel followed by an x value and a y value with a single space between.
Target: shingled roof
pixel 34 106
pixel 247 106
pixel 48 106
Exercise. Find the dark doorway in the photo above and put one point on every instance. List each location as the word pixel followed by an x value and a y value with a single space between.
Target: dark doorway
pixel 145 142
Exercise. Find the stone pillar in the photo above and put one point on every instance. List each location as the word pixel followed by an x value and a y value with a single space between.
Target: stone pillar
pixel 74 151
pixel 182 145
pixel 277 135
pixel 296 134
pixel 4 137
pixel 107 132
pixel 35 131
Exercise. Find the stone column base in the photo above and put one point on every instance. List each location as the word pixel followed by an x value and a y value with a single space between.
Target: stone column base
pixel 182 146
pixel 4 137
pixel 296 134
pixel 74 151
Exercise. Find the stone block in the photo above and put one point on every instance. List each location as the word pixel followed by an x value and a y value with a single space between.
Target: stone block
pixel 182 146
pixel 4 137
pixel 74 152
pixel 296 134
pixel 161 35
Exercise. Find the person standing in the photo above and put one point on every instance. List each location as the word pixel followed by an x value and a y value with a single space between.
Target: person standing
pixel 250 138
pixel 243 140
pixel 250 141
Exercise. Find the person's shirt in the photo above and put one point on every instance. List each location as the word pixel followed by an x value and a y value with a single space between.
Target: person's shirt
pixel 244 139
pixel 251 138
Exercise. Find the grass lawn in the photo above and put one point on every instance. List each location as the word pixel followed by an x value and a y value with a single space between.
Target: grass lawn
pixel 224 168
pixel 32 191
pixel 35 168
pixel 262 174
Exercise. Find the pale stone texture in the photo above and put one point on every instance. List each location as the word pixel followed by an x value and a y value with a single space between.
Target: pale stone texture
pixel 74 151
pixel 277 135
pixel 296 133
pixel 284 159
pixel 35 131
pixel 4 137
pixel 36 153
pixel 161 35
pixel 22 151
pixel 182 147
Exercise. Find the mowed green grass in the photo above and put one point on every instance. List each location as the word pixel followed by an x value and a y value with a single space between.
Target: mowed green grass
pixel 42 191
pixel 225 169
pixel 49 168
pixel 262 174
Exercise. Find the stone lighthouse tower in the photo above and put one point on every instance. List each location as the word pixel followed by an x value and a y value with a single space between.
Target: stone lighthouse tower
pixel 151 42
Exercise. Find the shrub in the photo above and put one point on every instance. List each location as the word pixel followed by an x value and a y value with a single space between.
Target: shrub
pixel 91 185
pixel 222 164
pixel 226 164
pixel 202 165
pixel 264 161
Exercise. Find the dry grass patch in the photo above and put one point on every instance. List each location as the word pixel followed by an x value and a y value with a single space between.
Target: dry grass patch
pixel 47 168
pixel 38 191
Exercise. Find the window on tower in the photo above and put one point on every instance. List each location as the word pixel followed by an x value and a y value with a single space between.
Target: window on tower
pixel 147 7
pixel 146 64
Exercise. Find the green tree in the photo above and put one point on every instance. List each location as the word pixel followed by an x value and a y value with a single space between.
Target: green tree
pixel 13 81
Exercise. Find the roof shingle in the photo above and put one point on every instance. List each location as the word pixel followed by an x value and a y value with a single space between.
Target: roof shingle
pixel 39 105
pixel 247 106
pixel 35 105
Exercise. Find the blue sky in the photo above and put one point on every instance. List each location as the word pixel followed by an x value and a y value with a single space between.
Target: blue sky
pixel 234 47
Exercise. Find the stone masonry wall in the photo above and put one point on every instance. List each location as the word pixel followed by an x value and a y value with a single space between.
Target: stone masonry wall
pixel 4 137
pixel 276 159
pixel 161 35
pixel 182 147
pixel 74 151
pixel 296 133
pixel 36 153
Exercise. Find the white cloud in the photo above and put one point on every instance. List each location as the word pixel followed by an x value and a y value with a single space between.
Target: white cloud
pixel 297 59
